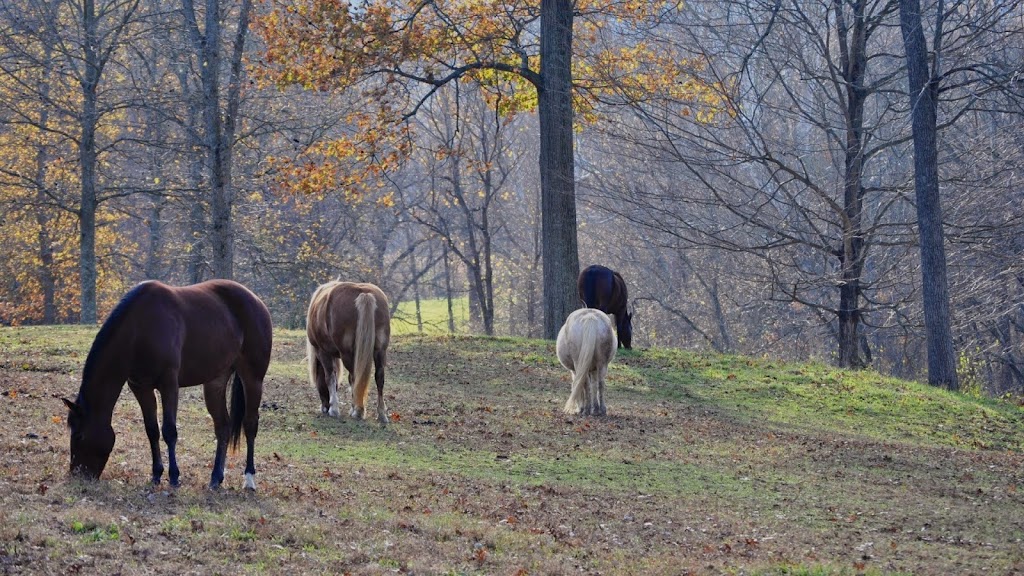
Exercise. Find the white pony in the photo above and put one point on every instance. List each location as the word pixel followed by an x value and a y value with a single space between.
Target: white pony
pixel 586 345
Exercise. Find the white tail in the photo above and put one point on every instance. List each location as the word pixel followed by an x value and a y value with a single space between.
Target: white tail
pixel 366 333
pixel 312 362
pixel 583 363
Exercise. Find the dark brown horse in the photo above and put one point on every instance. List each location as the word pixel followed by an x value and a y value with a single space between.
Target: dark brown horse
pixel 162 338
pixel 604 289
pixel 350 321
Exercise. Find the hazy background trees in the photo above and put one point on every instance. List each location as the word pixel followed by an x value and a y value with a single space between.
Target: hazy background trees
pixel 747 166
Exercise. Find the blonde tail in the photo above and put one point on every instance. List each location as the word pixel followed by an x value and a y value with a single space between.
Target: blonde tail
pixel 366 333
pixel 583 365
pixel 312 362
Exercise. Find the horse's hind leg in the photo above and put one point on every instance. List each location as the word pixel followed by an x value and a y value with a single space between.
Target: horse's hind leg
pixel 252 384
pixel 379 361
pixel 147 402
pixel 214 394
pixel 358 407
pixel 320 379
pixel 602 410
pixel 330 368
pixel 168 387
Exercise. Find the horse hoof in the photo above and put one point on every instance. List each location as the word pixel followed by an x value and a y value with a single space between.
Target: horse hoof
pixel 334 412
pixel 214 487
pixel 250 482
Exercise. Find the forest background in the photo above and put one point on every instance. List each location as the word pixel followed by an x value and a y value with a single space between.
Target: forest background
pixel 748 167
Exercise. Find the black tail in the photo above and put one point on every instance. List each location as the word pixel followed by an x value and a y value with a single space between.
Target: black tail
pixel 237 410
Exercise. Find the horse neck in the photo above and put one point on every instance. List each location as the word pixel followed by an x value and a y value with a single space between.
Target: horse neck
pixel 106 377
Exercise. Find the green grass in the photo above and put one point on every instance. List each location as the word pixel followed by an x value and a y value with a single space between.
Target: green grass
pixel 820 397
pixel 434 313
pixel 90 532
pixel 706 464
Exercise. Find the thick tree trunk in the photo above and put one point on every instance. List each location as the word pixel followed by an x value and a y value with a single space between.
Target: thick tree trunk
pixel 557 168
pixel 220 204
pixel 87 160
pixel 923 103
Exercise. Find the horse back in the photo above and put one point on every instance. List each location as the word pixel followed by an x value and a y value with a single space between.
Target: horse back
pixel 332 316
pixel 204 328
pixel 602 288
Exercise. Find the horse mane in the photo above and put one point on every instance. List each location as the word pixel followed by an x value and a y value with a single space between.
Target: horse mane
pixel 104 336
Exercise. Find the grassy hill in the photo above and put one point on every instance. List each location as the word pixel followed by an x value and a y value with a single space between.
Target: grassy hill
pixel 434 313
pixel 706 464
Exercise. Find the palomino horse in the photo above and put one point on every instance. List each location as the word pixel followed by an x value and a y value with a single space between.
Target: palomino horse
pixel 604 289
pixel 162 338
pixel 586 345
pixel 350 321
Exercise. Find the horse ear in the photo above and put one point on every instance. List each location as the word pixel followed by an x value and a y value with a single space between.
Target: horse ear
pixel 72 406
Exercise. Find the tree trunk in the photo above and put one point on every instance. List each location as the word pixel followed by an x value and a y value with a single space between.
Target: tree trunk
pixel 415 281
pixel 923 84
pixel 853 50
pixel 47 280
pixel 220 204
pixel 557 171
pixel 154 267
pixel 87 160
pixel 448 290
pixel 219 130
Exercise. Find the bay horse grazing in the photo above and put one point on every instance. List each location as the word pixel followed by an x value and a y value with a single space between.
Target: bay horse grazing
pixel 350 321
pixel 586 345
pixel 162 338
pixel 604 289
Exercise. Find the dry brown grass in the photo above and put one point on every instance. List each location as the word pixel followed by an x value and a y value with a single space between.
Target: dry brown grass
pixel 479 473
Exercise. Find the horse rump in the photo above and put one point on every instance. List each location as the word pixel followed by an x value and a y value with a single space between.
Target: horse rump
pixel 585 346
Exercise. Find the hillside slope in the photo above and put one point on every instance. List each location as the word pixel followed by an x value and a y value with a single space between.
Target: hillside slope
pixel 706 464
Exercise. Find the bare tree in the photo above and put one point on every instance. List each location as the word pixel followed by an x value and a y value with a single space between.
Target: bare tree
pixel 220 114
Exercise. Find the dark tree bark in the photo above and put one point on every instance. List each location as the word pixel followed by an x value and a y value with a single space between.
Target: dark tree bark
pixel 92 68
pixel 923 91
pixel 557 166
pixel 853 54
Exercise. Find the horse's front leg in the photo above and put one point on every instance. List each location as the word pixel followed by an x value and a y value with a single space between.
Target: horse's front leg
pixel 169 402
pixel 214 394
pixel 379 360
pixel 147 402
